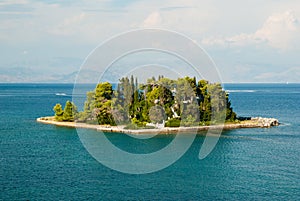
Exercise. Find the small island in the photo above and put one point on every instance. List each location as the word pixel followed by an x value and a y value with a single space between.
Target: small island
pixel 160 105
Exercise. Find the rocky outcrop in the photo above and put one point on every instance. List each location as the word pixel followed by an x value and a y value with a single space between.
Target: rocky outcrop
pixel 265 122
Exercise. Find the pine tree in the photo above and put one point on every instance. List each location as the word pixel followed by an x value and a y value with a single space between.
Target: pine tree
pixel 58 112
pixel 69 112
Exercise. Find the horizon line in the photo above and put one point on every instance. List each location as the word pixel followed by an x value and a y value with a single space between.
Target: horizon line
pixel 94 83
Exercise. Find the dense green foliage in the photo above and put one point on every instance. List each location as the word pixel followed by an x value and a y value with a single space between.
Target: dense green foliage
pixel 67 114
pixel 98 106
pixel 181 102
pixel 58 112
pixel 173 123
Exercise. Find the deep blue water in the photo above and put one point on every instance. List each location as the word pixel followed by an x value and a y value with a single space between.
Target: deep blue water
pixel 48 162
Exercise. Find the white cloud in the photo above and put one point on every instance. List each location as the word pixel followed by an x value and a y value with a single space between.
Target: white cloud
pixel 69 26
pixel 280 31
pixel 153 20
pixel 73 28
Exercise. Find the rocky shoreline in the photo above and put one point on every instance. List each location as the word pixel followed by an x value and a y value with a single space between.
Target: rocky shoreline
pixel 254 122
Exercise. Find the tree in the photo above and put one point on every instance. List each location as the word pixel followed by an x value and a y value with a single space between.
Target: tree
pixel 184 90
pixel 67 114
pixel 157 114
pixel 230 114
pixel 190 115
pixel 218 102
pixel 155 101
pixel 70 111
pixel 119 115
pixel 102 108
pixel 58 112
pixel 104 90
pixel 104 113
pixel 125 94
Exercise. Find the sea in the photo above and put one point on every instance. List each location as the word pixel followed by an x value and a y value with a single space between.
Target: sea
pixel 46 162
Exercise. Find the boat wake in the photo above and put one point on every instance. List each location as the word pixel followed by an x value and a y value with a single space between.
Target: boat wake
pixel 240 91
pixel 61 94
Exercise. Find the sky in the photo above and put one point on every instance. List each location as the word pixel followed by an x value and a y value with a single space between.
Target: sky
pixel 249 41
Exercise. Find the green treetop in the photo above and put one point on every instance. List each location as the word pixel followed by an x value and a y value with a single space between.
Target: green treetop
pixel 183 101
pixel 67 114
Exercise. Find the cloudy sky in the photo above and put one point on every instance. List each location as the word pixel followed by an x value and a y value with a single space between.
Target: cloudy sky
pixel 250 41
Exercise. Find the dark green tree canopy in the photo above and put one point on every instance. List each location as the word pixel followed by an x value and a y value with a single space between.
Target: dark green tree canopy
pixel 183 100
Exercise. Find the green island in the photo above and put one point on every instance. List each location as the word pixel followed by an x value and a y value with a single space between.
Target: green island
pixel 160 105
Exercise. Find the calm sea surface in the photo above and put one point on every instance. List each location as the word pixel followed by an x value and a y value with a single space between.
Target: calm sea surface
pixel 47 162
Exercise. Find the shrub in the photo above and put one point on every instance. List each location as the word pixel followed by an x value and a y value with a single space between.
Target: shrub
pixel 190 121
pixel 173 123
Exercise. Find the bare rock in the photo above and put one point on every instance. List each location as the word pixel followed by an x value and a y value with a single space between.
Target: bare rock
pixel 266 122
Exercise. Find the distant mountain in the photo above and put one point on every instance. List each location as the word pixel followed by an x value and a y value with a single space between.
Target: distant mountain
pixel 23 74
pixel 19 74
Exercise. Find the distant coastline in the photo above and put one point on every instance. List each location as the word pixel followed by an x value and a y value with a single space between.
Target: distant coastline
pixel 256 122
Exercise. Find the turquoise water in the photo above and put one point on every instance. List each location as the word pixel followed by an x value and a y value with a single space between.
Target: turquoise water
pixel 48 162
